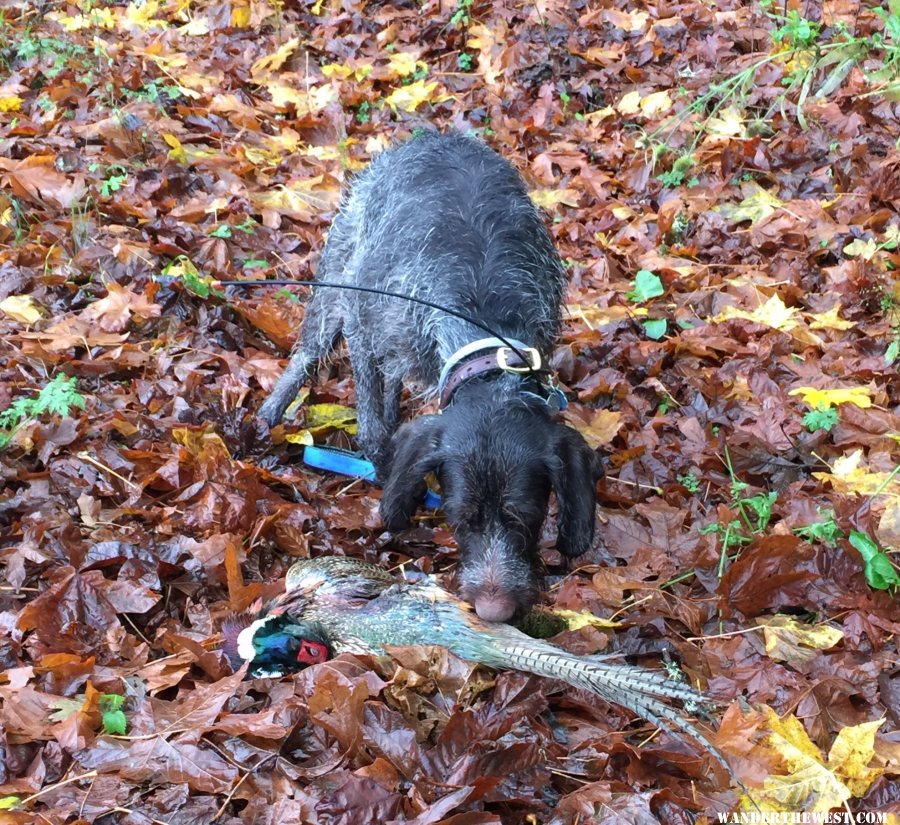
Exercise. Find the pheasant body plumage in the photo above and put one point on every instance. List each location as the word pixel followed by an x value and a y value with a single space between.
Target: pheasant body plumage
pixel 354 607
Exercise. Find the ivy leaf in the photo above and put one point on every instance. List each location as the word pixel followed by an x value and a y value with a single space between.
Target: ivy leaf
pixel 655 328
pixel 880 573
pixel 647 285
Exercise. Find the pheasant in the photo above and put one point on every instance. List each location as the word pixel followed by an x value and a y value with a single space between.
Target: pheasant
pixel 335 605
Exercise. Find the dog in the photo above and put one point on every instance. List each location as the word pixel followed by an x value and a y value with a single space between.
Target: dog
pixel 445 219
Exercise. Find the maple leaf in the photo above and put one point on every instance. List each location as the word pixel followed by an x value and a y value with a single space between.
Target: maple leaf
pixel 410 97
pixel 825 399
pixel 789 640
pixel 22 308
pixel 773 313
pixel 548 198
pixel 755 207
pixel 272 62
pixel 113 313
pixel 849 475
pixel 830 320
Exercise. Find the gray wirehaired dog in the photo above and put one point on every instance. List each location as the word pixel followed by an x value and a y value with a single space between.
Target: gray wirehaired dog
pixel 445 219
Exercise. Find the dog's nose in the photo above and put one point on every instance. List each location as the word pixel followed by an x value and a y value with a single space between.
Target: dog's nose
pixel 495 607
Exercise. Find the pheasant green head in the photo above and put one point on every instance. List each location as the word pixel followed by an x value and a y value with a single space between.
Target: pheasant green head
pixel 278 645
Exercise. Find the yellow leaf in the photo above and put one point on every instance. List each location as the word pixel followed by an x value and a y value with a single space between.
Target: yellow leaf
pixel 180 267
pixel 196 27
pixel 754 208
pixel 342 71
pixel 321 417
pixel 302 437
pixel 601 114
pixel 808 786
pixel 577 619
pixel 830 320
pixel 338 70
pixel 656 103
pixel 623 212
pixel 773 313
pixel 94 19
pixel 305 101
pixel 788 640
pixel 140 15
pixel 848 475
pixel 729 123
pixel 298 198
pixel 204 446
pixel 240 17
pixel 176 152
pixel 595 316
pixel 850 754
pixel 22 308
pixel 602 427
pixel 630 104
pixel 548 198
pixel 10 104
pixel 317 7
pixel 404 64
pixel 860 396
pixel 601 56
pixel 409 98
pixel 272 62
pixel 864 249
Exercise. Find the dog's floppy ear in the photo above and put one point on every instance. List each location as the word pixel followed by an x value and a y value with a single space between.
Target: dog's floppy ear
pixel 574 471
pixel 415 448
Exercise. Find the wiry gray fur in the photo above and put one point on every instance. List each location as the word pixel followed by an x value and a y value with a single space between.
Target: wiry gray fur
pixel 444 218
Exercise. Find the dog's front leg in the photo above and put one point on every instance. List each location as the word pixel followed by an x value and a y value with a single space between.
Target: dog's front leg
pixel 373 435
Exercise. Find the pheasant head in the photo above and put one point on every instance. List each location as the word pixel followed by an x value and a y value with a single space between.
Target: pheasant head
pixel 276 645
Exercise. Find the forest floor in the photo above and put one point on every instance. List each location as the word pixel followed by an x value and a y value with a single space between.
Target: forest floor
pixel 722 181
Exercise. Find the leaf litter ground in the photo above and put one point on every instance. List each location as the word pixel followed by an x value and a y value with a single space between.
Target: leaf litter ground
pixel 200 139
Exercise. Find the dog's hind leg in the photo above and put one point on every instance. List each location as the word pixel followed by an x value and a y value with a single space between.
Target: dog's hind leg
pixel 320 331
pixel 319 335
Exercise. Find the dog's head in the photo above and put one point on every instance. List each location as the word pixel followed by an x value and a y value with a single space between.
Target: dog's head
pixel 496 464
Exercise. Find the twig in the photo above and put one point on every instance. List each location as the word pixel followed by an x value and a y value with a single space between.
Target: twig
pixel 69 781
pixel 240 782
pixel 85 456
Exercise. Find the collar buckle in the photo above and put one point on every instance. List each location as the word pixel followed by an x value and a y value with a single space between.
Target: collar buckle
pixel 532 359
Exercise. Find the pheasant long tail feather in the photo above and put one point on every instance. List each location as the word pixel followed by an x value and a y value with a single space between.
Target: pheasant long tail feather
pixel 633 688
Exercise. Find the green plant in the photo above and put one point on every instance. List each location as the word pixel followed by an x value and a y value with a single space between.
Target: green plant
pixel 464 62
pixel 362 112
pixel 112 717
pixel 225 230
pixel 676 175
pixel 53 54
pixel 880 573
pixel 753 516
pixel 460 16
pixel 57 398
pixel 690 482
pixel 821 418
pixel 796 32
pixel 825 530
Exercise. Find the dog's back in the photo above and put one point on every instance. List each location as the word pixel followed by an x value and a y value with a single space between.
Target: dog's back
pixel 444 218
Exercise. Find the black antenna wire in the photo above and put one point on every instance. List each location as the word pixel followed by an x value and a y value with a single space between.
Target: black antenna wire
pixel 389 294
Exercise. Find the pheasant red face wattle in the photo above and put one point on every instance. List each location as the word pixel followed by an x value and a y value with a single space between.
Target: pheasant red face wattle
pixel 312 653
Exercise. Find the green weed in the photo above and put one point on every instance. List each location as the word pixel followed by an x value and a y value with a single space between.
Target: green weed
pixel 57 398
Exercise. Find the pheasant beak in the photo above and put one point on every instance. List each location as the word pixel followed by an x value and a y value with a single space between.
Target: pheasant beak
pixel 312 653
